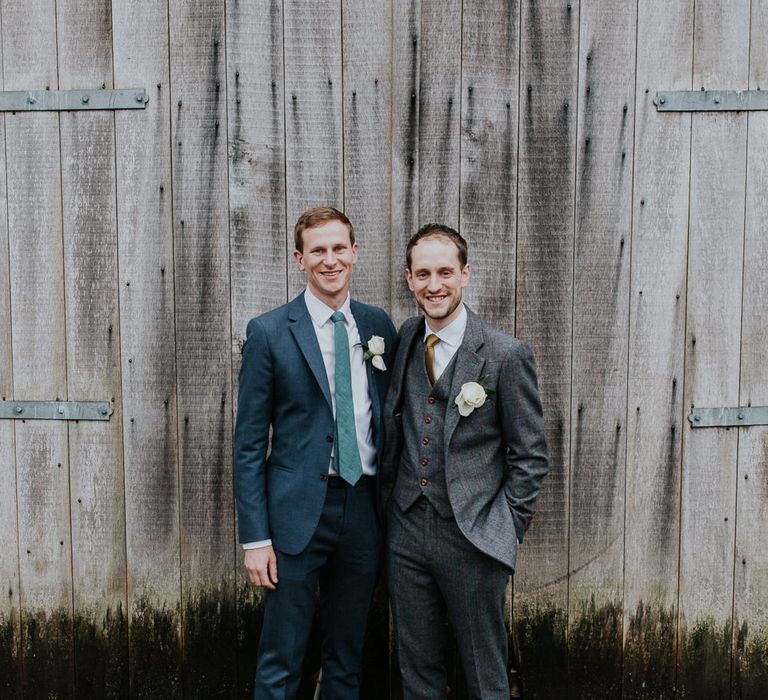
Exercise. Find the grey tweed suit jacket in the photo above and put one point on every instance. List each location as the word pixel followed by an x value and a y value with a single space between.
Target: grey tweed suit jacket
pixel 496 457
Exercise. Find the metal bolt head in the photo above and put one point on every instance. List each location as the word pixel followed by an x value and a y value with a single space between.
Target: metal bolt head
pixel 697 418
pixel 61 410
pixel 740 416
pixel 139 97
pixel 85 99
pixel 717 100
pixel 103 411
pixel 19 409
pixel 662 100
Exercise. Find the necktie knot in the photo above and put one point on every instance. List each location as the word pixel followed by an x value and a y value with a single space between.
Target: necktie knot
pixel 337 317
pixel 432 340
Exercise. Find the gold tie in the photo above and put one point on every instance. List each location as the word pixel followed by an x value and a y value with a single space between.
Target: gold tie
pixel 429 356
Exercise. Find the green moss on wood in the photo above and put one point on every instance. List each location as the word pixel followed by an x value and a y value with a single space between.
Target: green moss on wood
pixel 750 663
pixel 649 653
pixel 705 660
pixel 46 648
pixel 595 651
pixel 542 648
pixel 10 672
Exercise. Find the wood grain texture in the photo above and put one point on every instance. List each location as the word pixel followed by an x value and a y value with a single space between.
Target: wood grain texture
pixel 749 668
pixel 544 256
pixel 600 356
pixel 367 73
pixel 258 230
pixel 655 420
pixel 440 112
pixel 488 169
pixel 203 349
pixel 406 85
pixel 314 158
pixel 715 253
pixel 39 353
pixel 93 354
pixel 10 611
pixel 147 338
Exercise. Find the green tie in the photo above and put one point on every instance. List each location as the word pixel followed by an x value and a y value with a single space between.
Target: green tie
pixel 346 456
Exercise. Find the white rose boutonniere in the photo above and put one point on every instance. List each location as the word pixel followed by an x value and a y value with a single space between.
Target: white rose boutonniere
pixel 471 396
pixel 374 349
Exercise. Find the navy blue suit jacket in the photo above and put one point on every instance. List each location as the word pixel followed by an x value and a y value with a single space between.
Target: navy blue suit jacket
pixel 283 385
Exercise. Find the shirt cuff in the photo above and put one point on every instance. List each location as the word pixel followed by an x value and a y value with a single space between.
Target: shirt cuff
pixel 257 545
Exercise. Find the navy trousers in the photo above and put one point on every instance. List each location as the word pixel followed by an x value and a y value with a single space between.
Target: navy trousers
pixel 342 559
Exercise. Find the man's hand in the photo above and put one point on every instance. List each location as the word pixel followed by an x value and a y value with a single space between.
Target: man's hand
pixel 261 565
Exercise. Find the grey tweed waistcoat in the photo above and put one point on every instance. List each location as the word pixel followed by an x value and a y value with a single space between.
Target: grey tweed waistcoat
pixel 422 469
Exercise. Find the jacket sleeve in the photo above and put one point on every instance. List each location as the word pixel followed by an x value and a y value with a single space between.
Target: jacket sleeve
pixel 254 410
pixel 522 423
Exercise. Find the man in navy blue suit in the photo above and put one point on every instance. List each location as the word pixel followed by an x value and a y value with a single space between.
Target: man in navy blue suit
pixel 316 372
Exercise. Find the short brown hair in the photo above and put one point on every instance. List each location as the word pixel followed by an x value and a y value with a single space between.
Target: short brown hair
pixel 316 216
pixel 438 230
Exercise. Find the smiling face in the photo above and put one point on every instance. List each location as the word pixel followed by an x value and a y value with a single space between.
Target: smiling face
pixel 327 258
pixel 437 279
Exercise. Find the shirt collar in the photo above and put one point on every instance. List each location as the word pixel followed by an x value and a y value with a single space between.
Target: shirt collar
pixel 321 312
pixel 453 333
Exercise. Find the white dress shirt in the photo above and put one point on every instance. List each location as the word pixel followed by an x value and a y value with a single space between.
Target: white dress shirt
pixel 451 338
pixel 324 331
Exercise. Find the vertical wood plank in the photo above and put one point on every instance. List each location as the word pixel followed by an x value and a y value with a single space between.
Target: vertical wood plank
pixel 367 73
pixel 750 663
pixel 657 339
pixel 147 338
pixel 547 152
pixel 10 657
pixel 314 162
pixel 406 85
pixel 440 112
pixel 39 353
pixel 599 382
pixel 489 130
pixel 256 119
pixel 715 250
pixel 367 102
pixel 203 357
pixel 93 355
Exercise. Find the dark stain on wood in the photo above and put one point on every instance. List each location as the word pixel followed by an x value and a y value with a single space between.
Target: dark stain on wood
pixel 210 643
pixel 46 651
pixel 410 207
pixel 594 651
pixel 750 665
pixel 705 660
pixel 649 653
pixel 101 655
pixel 155 653
pixel 10 660
pixel 543 651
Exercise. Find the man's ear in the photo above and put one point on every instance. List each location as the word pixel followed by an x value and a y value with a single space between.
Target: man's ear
pixel 299 257
pixel 465 275
pixel 409 278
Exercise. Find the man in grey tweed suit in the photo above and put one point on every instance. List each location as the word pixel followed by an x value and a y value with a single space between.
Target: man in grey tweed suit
pixel 463 462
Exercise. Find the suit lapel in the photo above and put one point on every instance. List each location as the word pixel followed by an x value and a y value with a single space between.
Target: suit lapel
pixel 300 325
pixel 469 366
pixel 407 340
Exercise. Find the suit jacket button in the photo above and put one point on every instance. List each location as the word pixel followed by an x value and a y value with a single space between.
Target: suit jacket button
pixel 431 400
pixel 425 441
pixel 427 420
pixel 423 482
pixel 329 438
pixel 424 461
pixel 323 477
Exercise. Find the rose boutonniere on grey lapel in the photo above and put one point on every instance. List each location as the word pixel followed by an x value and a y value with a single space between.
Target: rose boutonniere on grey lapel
pixel 472 396
pixel 374 349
